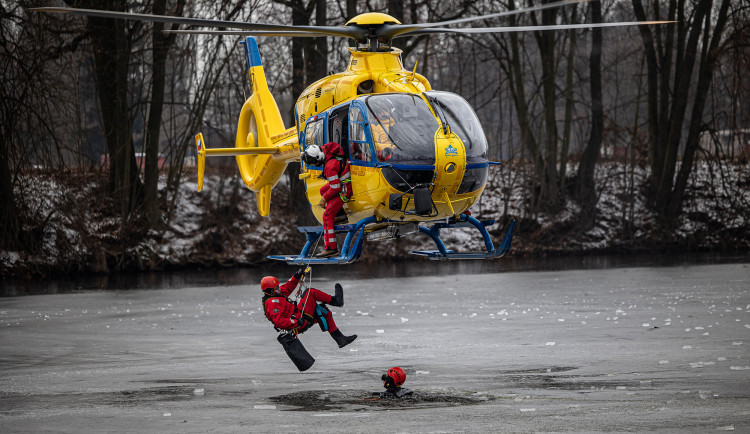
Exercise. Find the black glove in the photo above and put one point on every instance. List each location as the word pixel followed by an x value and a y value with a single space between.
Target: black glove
pixel 301 272
pixel 301 323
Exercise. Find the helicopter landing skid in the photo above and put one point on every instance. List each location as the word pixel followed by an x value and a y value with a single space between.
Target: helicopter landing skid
pixel 442 254
pixel 350 249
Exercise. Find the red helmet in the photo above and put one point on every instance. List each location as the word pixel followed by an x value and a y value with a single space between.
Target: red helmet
pixel 397 375
pixel 268 282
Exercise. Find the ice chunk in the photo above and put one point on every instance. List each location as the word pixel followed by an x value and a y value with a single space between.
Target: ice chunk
pixel 726 428
pixel 687 347
pixel 198 392
pixel 423 372
pixel 663 362
pixel 264 407
pixel 379 331
pixel 739 368
pixel 549 344
pixel 167 414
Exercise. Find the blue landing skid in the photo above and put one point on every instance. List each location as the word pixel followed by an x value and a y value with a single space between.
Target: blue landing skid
pixel 442 254
pixel 351 249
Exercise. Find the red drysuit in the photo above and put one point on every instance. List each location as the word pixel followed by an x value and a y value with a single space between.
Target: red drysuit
pixel 285 314
pixel 336 192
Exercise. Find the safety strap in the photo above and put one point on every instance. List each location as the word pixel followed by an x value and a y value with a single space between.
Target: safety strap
pixel 348 180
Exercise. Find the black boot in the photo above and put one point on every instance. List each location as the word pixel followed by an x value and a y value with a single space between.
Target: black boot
pixel 338 299
pixel 341 339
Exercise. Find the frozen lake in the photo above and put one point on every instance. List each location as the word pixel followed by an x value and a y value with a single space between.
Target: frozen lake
pixel 600 349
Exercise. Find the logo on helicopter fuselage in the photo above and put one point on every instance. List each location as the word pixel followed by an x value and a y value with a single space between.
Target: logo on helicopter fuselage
pixel 450 150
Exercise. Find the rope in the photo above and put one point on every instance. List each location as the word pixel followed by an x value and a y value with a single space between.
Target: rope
pixel 309 278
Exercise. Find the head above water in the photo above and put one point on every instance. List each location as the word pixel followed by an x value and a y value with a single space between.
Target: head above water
pixel 394 378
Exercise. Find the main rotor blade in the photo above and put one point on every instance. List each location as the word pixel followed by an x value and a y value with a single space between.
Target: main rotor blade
pixel 247 33
pixel 347 32
pixel 395 30
pixel 533 28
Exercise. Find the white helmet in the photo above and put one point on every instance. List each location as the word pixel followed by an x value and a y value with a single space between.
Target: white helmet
pixel 314 156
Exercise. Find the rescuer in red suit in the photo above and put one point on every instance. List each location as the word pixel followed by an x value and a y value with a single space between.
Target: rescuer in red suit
pixel 335 193
pixel 288 315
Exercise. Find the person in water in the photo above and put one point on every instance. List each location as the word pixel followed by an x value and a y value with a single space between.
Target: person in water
pixel 311 309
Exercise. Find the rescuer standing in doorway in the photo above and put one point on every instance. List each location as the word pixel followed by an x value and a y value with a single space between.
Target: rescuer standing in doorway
pixel 335 193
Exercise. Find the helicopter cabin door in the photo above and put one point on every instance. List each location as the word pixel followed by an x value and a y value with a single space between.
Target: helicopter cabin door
pixel 338 130
pixel 314 134
pixel 365 176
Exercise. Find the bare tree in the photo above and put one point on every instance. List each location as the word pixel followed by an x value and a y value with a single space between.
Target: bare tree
pixel 308 64
pixel 585 188
pixel 29 114
pixel 161 43
pixel 673 52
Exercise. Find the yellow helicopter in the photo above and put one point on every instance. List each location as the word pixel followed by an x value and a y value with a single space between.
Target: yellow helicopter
pixel 417 156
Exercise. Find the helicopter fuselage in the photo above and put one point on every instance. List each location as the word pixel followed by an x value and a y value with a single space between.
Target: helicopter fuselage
pixel 399 135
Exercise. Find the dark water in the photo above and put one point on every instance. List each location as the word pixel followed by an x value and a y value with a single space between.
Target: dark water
pixel 408 267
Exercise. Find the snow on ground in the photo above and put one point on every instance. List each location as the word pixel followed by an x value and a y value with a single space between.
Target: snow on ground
pixel 221 226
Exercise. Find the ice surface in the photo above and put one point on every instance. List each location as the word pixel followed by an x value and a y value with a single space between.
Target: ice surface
pixel 64 370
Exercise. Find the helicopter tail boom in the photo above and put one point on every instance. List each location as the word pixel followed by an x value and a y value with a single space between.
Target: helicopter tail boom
pixel 263 145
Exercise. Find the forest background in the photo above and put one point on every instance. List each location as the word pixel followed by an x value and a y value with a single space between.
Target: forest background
pixel 613 140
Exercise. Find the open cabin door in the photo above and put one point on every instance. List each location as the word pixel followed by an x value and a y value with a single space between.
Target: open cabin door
pixel 365 176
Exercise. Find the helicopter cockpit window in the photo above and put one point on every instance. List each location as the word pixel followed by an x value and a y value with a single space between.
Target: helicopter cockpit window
pixel 463 122
pixel 403 128
pixel 359 148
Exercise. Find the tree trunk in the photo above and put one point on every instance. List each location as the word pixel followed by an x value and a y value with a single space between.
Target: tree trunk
pixel 9 218
pixel 565 146
pixel 111 44
pixel 709 56
pixel 161 44
pixel 298 202
pixel 396 9
pixel 585 190
pixel 669 84
pixel 316 50
pixel 550 196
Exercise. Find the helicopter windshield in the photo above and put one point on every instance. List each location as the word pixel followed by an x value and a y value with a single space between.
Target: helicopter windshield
pixel 462 120
pixel 403 128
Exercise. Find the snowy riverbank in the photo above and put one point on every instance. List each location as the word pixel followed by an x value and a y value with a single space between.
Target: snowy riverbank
pixel 220 226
